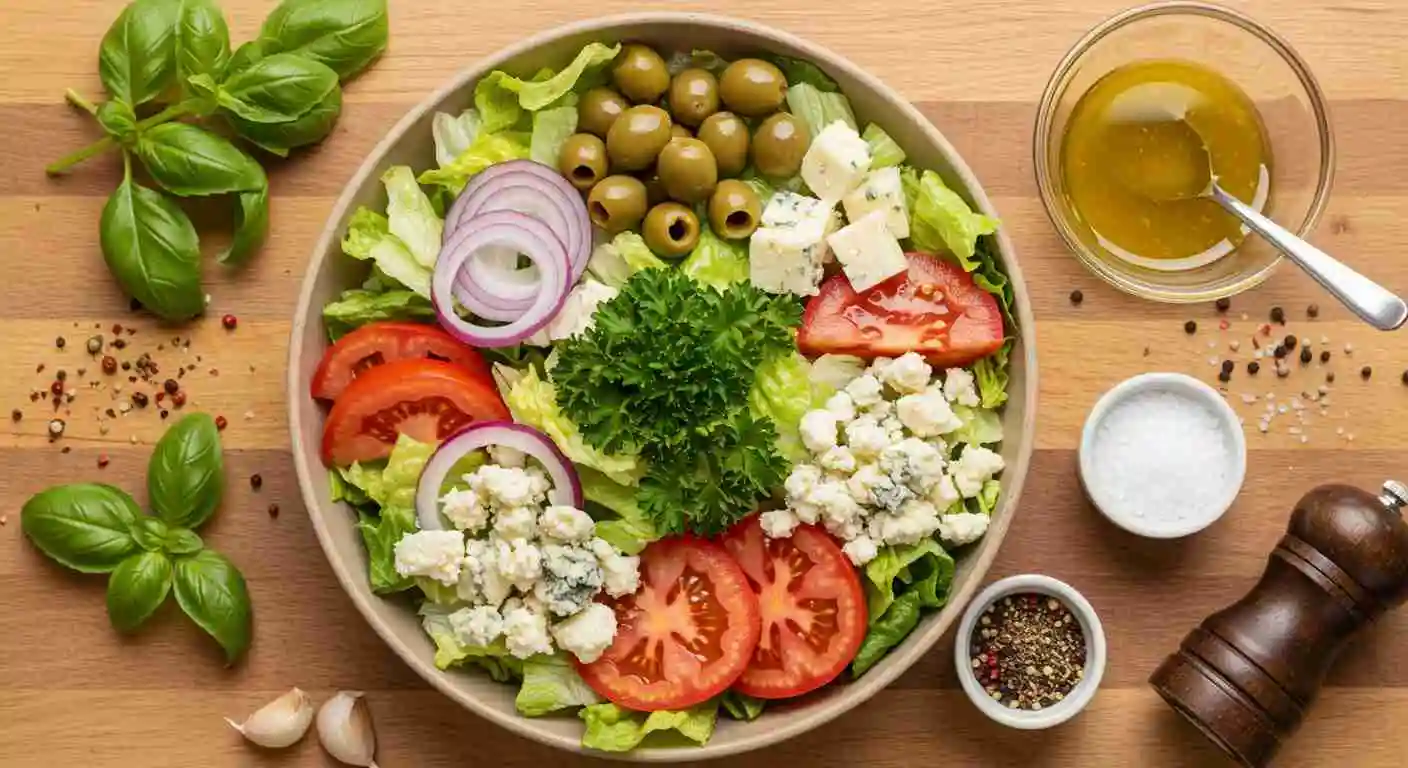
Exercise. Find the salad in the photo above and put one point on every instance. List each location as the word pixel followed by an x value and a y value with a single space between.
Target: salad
pixel 672 389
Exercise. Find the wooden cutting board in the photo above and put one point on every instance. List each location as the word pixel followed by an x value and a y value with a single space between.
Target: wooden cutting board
pixel 73 693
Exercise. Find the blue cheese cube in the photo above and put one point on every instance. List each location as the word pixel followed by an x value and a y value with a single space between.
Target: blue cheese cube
pixel 868 252
pixel 880 190
pixel 836 162
pixel 786 259
pixel 786 209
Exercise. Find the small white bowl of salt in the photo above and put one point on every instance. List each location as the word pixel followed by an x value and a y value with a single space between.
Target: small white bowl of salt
pixel 1162 455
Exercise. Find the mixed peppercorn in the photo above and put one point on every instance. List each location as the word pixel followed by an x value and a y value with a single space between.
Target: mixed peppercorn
pixel 1028 651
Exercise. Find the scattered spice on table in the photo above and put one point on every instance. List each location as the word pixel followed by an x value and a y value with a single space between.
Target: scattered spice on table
pixel 273 510
pixel 1253 367
pixel 1366 372
pixel 1077 297
pixel 230 322
pixel 103 461
pixel 17 414
pixel 1028 651
pixel 1312 311
pixel 1190 327
pixel 1223 304
pixel 1305 356
pixel 221 422
pixel 256 481
pixel 56 429
pixel 1278 316
pixel 1324 355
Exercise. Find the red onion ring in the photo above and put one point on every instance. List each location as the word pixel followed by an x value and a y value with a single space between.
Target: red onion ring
pixel 524 234
pixel 566 487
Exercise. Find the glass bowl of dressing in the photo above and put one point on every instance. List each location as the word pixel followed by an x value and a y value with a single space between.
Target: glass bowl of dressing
pixel 1113 109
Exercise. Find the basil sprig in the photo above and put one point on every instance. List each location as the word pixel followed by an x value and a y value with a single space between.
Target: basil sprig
pixel 97 528
pixel 277 92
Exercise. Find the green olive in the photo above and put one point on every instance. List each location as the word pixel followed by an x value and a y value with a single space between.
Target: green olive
pixel 598 109
pixel 734 210
pixel 582 160
pixel 637 137
pixel 678 131
pixel 617 203
pixel 671 230
pixel 694 95
pixel 687 169
pixel 727 137
pixel 779 145
pixel 641 74
pixel 752 87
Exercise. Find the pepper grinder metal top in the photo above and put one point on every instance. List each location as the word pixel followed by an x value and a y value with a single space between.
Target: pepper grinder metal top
pixel 1246 676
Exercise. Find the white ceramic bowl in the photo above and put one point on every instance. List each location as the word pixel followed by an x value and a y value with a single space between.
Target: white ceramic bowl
pixel 329 272
pixel 1196 391
pixel 1079 696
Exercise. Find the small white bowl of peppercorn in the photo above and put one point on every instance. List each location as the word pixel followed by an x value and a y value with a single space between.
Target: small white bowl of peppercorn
pixel 1030 651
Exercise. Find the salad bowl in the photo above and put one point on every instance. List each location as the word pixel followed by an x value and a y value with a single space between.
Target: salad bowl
pixel 410 143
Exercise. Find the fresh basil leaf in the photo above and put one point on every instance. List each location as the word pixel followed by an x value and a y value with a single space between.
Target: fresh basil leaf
pixel 346 35
pixel 118 119
pixel 211 590
pixel 137 588
pixel 182 541
pixel 137 61
pixel 153 250
pixel 150 533
pixel 190 161
pixel 251 226
pixel 277 89
pixel 244 57
pixel 278 138
pixel 186 475
pixel 85 526
pixel 202 40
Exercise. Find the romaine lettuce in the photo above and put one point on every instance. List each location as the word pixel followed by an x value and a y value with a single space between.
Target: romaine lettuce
pixel 817 108
pixel 986 500
pixel 410 216
pixel 453 135
pixel 533 401
pixel 356 308
pixel 884 152
pixel 631 529
pixel 697 59
pixel 536 94
pixel 393 483
pixel 741 706
pixel 981 426
pixel 834 372
pixel 940 221
pixel 900 582
pixel 803 71
pixel 783 391
pixel 551 128
pixel 380 534
pixel 614 262
pixel 613 729
pixel 369 238
pixel 449 652
pixel 716 262
pixel 551 683
pixel 488 149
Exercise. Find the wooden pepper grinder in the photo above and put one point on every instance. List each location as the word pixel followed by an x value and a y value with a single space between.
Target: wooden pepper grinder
pixel 1247 674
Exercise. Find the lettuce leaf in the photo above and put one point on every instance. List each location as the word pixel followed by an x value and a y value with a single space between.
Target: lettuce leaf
pixel 533 401
pixel 783 391
pixel 500 96
pixel 900 582
pixel 834 372
pixel 380 535
pixel 498 107
pixel 990 374
pixel 551 683
pixel 453 135
pixel 449 652
pixel 613 729
pixel 697 59
pixel 741 706
pixel 803 71
pixel 369 238
pixel 817 108
pixel 631 529
pixel 889 631
pixel 986 500
pixel 716 262
pixel 940 221
pixel 884 152
pixel 981 426
pixel 356 308
pixel 411 217
pixel 488 149
pixel 614 262
pixel 551 128
pixel 393 483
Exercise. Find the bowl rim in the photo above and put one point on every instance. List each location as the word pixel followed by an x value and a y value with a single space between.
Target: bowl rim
pixel 1201 392
pixel 1056 87
pixel 899 660
pixel 1095 652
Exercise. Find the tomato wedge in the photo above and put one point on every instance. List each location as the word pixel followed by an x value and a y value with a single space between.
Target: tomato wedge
pixel 425 399
pixel 380 343
pixel 933 308
pixel 684 636
pixel 814 615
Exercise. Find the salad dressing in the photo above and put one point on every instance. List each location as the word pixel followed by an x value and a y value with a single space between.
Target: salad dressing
pixel 1134 123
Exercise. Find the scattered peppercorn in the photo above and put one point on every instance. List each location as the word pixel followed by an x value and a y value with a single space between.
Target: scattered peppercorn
pixel 66 449
pixel 17 414
pixel 1312 311
pixel 1290 341
pixel 56 428
pixel 95 344
pixel 109 364
pixel 1305 356
pixel 116 328
pixel 139 399
pixel 1279 351
pixel 119 344
pixel 1077 297
pixel 1190 327
pixel 273 510
pixel 179 399
pixel 60 342
pixel 126 366
pixel 165 413
pixel 1223 304
pixel 1224 376
pixel 170 386
pixel 102 460
pixel 1227 366
pixel 1253 367
pixel 1330 377
pixel 256 481
pixel 161 397
pixel 1278 316
pixel 61 374
pixel 1405 381
pixel 1324 355
pixel 56 388
pixel 229 321
pixel 221 422
pixel 1366 372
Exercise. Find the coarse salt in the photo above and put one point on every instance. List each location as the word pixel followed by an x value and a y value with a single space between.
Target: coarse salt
pixel 1162 457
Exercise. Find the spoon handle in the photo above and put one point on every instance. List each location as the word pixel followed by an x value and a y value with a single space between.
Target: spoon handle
pixel 1375 304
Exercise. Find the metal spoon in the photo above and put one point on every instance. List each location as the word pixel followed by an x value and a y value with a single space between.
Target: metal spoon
pixel 1194 178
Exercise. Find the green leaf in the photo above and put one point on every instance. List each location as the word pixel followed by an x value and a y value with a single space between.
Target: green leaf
pixel 137 60
pixel 186 475
pixel 551 683
pixel 393 483
pixel 182 541
pixel 150 533
pixel 889 631
pixel 783 392
pixel 551 128
pixel 630 530
pixel 892 571
pixel 940 221
pixel 345 35
pixel 986 500
pixel 153 250
pixel 84 526
pixel 118 119
pixel 884 152
pixel 202 41
pixel 410 216
pixel 244 57
pixel 803 71
pixel 211 590
pixel 356 308
pixel 369 238
pixel 497 106
pixel 277 89
pixel 613 263
pixel 981 426
pixel 251 227
pixel 991 376
pixel 137 587
pixel 488 149
pixel 817 108
pixel 453 135
pixel 280 137
pixel 449 652
pixel 614 729
pixel 534 95
pixel 380 535
pixel 533 401
pixel 716 262
pixel 741 706
pixel 190 161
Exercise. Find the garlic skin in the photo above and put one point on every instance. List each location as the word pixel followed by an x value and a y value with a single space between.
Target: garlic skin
pixel 345 729
pixel 280 723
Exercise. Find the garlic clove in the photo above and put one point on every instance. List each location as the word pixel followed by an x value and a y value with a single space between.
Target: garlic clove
pixel 280 723
pixel 345 729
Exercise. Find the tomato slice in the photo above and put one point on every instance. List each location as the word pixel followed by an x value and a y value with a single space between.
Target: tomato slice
pixel 933 308
pixel 425 399
pixel 813 607
pixel 379 343
pixel 684 636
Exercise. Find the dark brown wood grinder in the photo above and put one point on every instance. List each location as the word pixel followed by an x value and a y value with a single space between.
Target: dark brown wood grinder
pixel 1247 674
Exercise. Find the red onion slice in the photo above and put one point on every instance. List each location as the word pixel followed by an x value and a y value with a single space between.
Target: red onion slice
pixel 575 227
pixel 505 229
pixel 566 487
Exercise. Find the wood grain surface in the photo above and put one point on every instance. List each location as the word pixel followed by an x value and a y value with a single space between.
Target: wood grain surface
pixel 72 692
